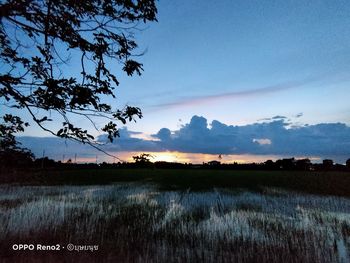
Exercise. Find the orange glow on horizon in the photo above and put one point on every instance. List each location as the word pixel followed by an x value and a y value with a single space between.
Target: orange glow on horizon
pixel 198 158
pixel 180 157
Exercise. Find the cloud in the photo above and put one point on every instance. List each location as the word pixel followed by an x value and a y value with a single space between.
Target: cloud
pixel 278 117
pixel 164 134
pixel 274 137
pixel 128 143
pixel 188 101
pixel 56 147
pixel 262 141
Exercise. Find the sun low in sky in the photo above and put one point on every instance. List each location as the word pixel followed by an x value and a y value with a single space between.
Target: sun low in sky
pixel 254 79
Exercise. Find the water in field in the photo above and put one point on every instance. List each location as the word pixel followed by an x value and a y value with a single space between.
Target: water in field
pixel 139 223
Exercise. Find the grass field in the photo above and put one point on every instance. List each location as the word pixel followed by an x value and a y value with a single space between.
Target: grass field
pixel 323 182
pixel 178 216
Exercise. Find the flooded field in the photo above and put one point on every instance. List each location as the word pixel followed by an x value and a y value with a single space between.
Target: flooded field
pixel 132 222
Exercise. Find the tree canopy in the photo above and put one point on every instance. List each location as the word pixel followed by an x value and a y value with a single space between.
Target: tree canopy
pixel 37 40
pixel 142 158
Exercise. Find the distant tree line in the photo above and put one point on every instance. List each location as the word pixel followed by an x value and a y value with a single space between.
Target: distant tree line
pixel 22 160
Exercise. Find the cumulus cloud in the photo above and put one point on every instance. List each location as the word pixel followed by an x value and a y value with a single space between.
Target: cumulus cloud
pixel 164 134
pixel 273 137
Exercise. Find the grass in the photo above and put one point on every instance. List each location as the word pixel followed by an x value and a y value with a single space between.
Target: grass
pixel 138 222
pixel 325 183
pixel 160 215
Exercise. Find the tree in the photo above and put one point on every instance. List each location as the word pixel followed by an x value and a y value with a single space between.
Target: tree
pixel 12 124
pixel 303 164
pixel 11 154
pixel 269 164
pixel 143 158
pixel 327 164
pixel 286 164
pixel 37 40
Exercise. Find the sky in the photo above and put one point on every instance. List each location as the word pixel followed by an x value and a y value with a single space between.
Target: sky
pixel 260 79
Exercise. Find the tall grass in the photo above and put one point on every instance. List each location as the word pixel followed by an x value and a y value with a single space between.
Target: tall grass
pixel 140 223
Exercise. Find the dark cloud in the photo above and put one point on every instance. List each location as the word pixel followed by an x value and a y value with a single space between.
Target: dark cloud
pixel 164 134
pixel 279 117
pixel 127 143
pixel 275 137
pixel 56 147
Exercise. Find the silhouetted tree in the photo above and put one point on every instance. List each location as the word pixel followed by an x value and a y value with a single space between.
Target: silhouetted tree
pixel 327 164
pixel 37 39
pixel 269 164
pixel 16 158
pixel 303 164
pixel 45 162
pixel 142 158
pixel 214 163
pixel 10 125
pixel 348 163
pixel 11 154
pixel 286 164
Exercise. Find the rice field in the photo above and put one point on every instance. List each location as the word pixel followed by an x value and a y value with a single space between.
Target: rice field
pixel 134 222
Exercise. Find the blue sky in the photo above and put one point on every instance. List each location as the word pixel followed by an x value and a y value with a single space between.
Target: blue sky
pixel 239 62
pixel 207 48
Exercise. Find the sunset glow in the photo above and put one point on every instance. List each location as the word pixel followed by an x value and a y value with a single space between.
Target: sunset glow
pixel 174 131
pixel 198 158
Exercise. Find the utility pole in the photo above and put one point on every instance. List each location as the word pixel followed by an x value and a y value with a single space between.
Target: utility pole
pixel 75 158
